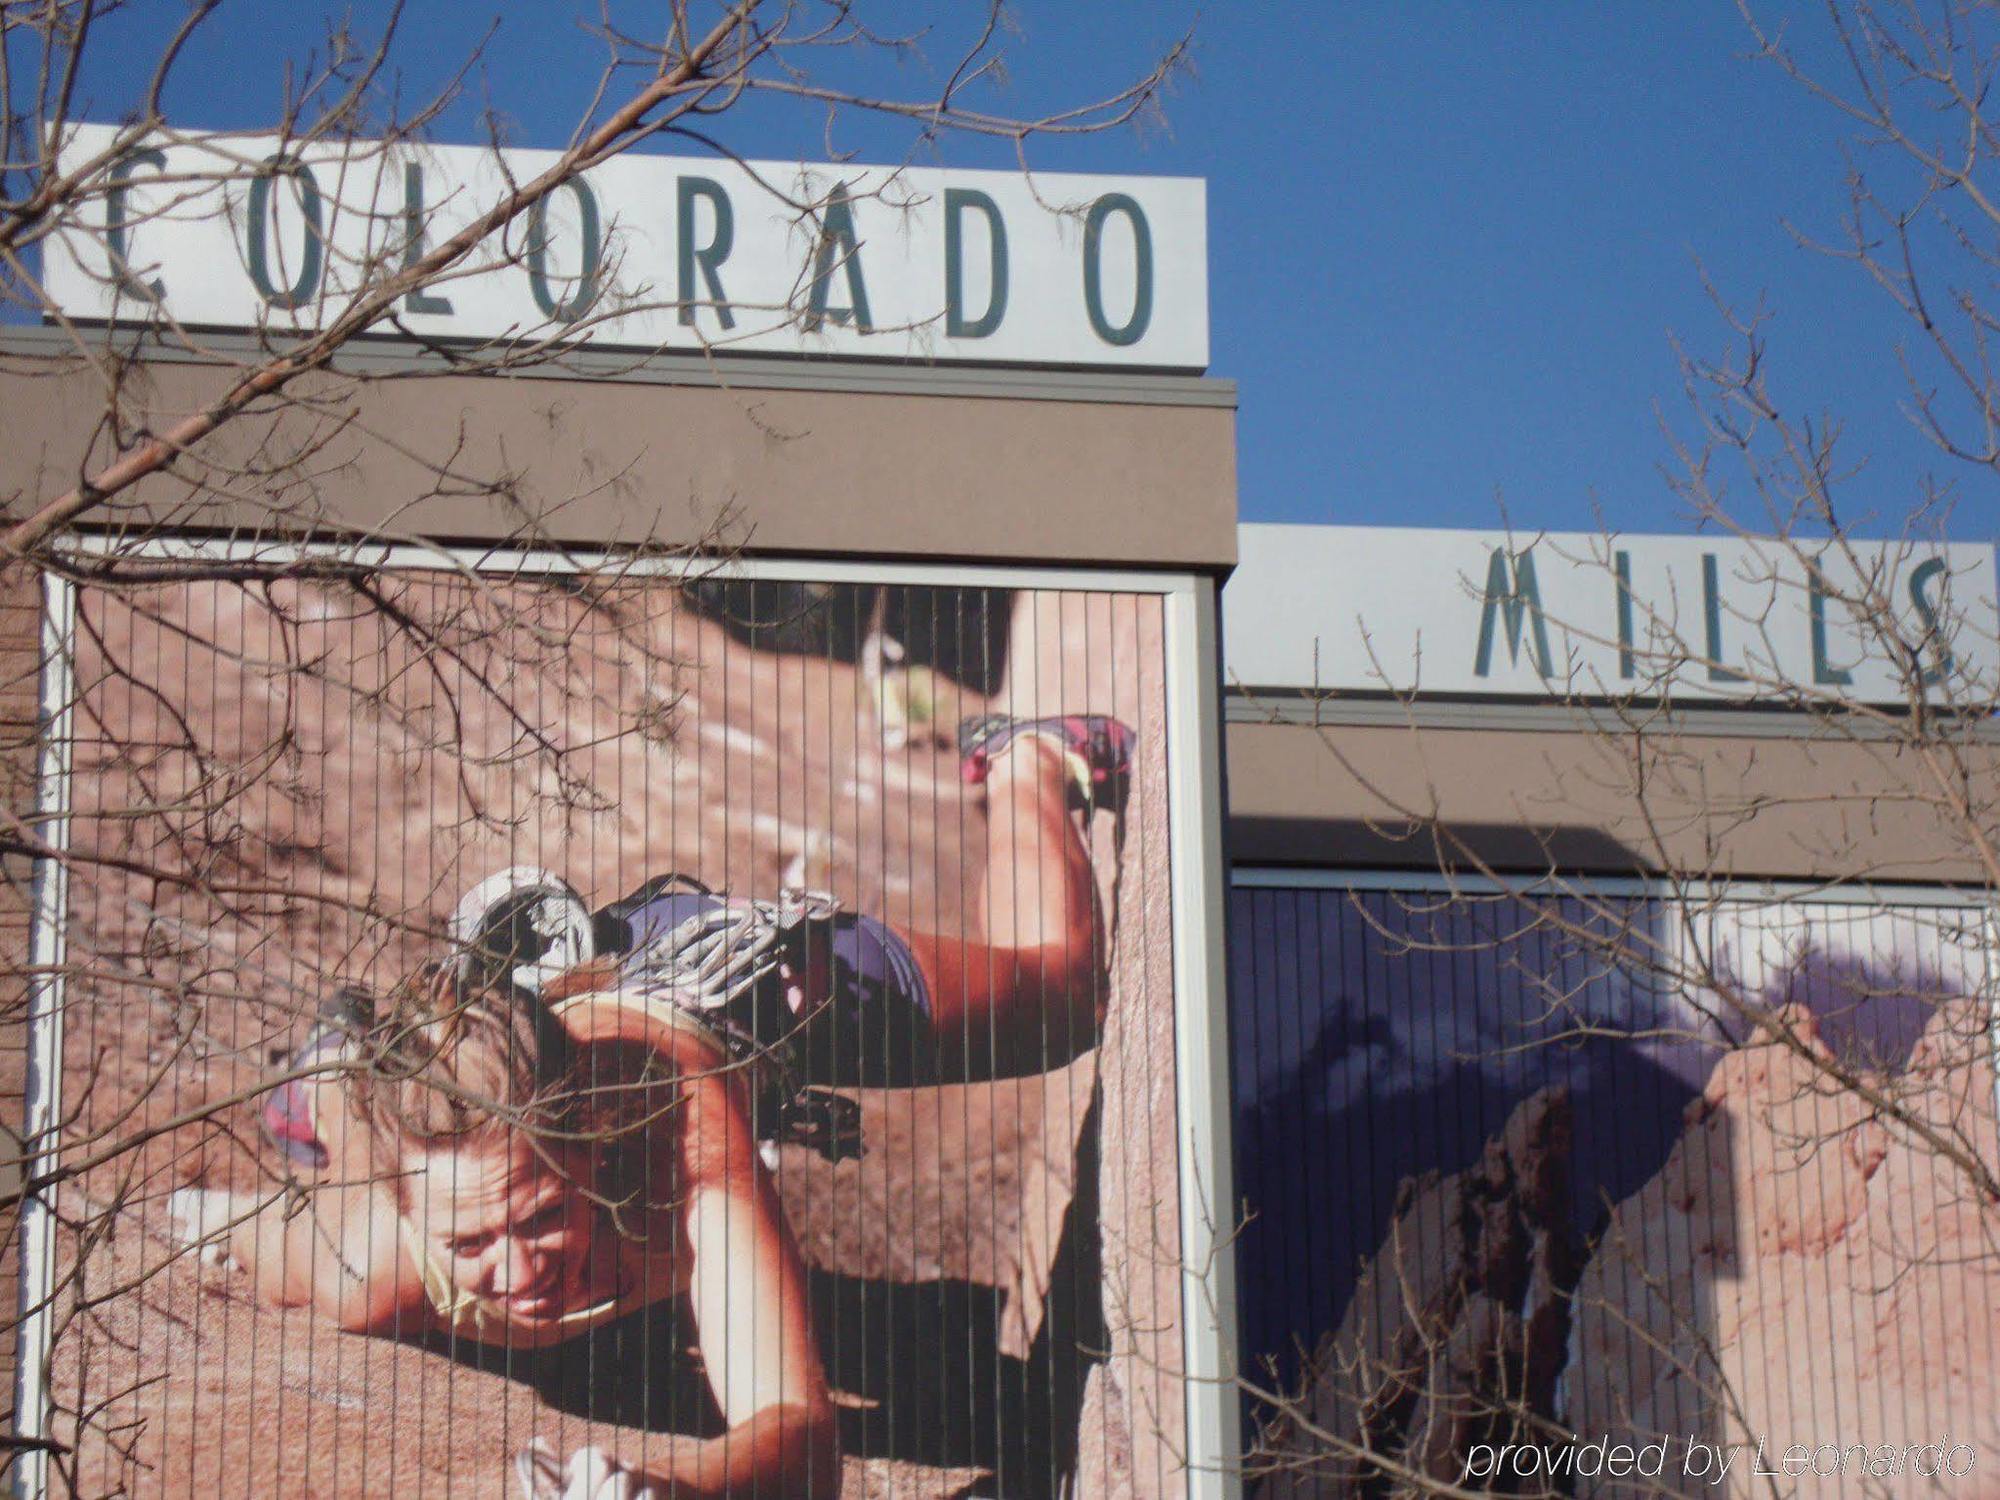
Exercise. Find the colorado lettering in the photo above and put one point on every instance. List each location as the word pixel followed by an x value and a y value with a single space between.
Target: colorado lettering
pixel 653 252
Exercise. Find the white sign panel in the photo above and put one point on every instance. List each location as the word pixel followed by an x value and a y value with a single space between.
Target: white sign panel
pixel 653 252
pixel 1368 610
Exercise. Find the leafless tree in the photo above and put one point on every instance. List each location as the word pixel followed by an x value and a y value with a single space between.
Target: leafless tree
pixel 213 928
pixel 1849 1096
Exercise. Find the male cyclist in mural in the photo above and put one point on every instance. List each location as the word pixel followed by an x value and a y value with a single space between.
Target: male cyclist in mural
pixel 570 1118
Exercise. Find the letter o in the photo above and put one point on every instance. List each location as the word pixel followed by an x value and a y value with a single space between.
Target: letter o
pixel 1134 328
pixel 573 307
pixel 305 287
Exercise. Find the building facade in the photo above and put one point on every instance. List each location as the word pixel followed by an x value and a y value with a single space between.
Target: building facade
pixel 804 727
pixel 1615 1096
pixel 1003 1013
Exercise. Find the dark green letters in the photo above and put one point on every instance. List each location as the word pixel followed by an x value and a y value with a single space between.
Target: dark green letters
pixel 1134 327
pixel 117 235
pixel 578 302
pixel 709 257
pixel 956 324
pixel 418 301
pixel 305 287
pixel 838 248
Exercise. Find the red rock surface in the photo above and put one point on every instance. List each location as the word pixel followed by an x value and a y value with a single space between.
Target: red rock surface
pixel 1800 1270
pixel 1804 1271
pixel 335 833
pixel 1106 654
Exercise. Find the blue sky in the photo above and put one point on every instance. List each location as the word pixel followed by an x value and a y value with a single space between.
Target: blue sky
pixel 1449 243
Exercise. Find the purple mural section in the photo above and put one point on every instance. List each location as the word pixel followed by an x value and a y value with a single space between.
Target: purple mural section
pixel 1531 1179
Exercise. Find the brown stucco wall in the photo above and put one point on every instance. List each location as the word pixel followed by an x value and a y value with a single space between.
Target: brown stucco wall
pixel 609 461
pixel 868 474
pixel 20 623
pixel 1817 806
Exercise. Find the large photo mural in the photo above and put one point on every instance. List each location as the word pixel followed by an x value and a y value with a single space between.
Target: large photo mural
pixel 1610 1192
pixel 616 1036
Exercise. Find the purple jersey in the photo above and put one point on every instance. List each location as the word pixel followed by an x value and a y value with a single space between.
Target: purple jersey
pixel 873 1029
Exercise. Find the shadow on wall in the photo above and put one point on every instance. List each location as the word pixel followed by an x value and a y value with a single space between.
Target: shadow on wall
pixel 1391 843
pixel 958 632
